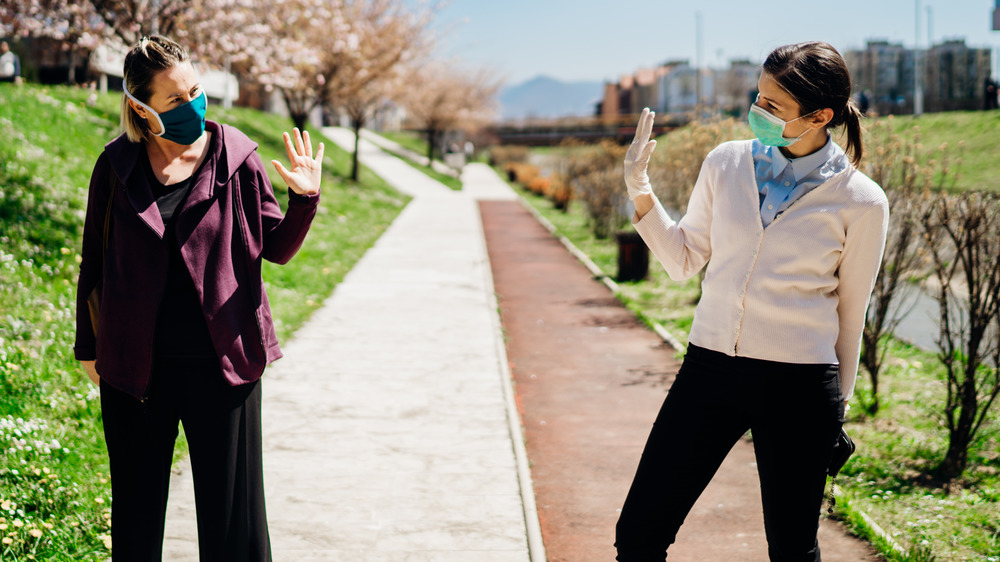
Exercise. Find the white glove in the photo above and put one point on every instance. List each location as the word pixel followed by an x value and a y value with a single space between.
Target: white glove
pixel 637 157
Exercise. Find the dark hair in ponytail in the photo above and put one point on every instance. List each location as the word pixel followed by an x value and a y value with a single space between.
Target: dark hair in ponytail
pixel 816 75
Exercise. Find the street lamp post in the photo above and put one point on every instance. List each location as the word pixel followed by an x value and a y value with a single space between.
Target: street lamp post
pixel 918 69
pixel 698 61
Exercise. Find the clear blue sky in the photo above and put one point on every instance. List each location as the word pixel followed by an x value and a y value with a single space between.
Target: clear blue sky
pixel 600 40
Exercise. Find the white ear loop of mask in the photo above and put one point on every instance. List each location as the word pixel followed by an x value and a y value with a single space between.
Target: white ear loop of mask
pixel 149 109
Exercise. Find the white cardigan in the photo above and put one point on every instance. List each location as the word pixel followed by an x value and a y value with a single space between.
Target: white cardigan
pixel 796 291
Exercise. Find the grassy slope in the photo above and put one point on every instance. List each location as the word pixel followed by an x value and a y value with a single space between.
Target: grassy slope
pixel 975 135
pixel 414 142
pixel 411 140
pixel 54 493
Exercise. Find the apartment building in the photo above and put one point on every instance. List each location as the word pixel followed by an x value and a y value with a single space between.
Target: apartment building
pixel 952 73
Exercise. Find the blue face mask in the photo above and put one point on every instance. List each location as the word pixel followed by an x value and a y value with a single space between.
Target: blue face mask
pixel 183 124
pixel 770 129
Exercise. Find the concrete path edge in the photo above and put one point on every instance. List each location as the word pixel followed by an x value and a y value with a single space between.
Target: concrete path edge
pixel 536 548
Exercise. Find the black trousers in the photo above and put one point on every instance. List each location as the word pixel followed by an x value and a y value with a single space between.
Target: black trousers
pixel 222 425
pixel 794 412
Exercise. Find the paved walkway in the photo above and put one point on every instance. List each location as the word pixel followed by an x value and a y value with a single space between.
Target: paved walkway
pixel 387 433
pixel 390 432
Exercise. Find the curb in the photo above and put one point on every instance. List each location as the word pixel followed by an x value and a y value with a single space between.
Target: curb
pixel 596 271
pixel 536 547
pixel 874 527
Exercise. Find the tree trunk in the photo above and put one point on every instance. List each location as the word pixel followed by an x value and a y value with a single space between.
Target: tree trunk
pixel 431 145
pixel 957 458
pixel 298 105
pixel 299 120
pixel 355 168
pixel 71 72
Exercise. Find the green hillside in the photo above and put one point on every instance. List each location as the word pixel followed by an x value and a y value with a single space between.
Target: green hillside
pixel 972 135
pixel 54 491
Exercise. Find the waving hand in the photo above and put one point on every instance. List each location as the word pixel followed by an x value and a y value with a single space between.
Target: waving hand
pixel 637 157
pixel 304 172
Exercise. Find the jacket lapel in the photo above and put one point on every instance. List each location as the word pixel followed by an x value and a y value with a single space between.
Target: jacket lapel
pixel 124 157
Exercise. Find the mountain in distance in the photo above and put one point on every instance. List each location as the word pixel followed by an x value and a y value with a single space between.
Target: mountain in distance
pixel 547 97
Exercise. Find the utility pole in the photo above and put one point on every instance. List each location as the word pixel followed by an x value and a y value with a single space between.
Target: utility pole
pixel 930 27
pixel 996 27
pixel 918 69
pixel 697 60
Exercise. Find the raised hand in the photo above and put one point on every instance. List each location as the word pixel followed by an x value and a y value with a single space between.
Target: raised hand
pixel 305 172
pixel 637 157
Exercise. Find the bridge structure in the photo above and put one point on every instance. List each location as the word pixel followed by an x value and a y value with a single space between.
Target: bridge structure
pixel 552 132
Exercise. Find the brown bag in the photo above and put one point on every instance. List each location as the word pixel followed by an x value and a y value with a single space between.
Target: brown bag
pixel 94 298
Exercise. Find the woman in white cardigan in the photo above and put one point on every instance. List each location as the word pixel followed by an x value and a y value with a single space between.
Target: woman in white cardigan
pixel 792 234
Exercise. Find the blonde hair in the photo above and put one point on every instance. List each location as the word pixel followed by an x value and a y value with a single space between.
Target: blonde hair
pixel 148 57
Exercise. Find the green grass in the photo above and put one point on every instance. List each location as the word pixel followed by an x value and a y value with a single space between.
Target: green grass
pixel 886 476
pixel 54 490
pixel 410 140
pixel 972 135
pixel 888 479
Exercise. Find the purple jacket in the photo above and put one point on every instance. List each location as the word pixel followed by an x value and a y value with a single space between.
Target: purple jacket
pixel 223 243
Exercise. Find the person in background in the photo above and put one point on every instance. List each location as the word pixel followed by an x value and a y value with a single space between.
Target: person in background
pixel 792 235
pixel 10 64
pixel 990 94
pixel 180 216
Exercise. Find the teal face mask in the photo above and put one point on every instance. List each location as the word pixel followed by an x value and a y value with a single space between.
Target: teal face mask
pixel 183 124
pixel 770 129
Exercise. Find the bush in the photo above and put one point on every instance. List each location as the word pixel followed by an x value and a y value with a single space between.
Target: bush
pixel 560 192
pixel 503 155
pixel 676 162
pixel 595 174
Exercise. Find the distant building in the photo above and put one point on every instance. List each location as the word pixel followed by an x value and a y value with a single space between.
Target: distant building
pixel 885 71
pixel 953 79
pixel 736 87
pixel 626 95
pixel 672 89
pixel 608 108
pixel 647 88
pixel 953 75
pixel 680 88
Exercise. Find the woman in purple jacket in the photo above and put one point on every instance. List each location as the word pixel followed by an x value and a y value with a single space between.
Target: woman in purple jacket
pixel 180 216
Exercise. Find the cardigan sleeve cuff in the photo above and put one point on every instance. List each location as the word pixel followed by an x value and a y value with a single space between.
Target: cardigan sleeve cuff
pixel 656 218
